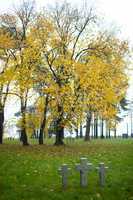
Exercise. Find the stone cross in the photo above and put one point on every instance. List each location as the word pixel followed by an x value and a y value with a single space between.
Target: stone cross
pixel 64 171
pixel 102 170
pixel 83 168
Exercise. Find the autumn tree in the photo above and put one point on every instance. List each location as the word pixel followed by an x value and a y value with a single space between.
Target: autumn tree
pixel 107 81
pixel 7 46
pixel 81 76
pixel 69 25
pixel 42 33
pixel 17 26
pixel 73 71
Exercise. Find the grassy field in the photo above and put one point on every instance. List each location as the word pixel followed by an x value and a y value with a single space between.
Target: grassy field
pixel 31 173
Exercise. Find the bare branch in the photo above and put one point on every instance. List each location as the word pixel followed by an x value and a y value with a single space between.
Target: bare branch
pixel 25 14
pixel 90 18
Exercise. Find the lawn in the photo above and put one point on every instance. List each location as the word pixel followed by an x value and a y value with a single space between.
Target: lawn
pixel 31 173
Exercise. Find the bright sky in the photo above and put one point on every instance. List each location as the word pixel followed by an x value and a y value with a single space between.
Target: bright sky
pixel 116 13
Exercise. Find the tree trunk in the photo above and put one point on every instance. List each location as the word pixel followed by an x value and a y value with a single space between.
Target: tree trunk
pixel 43 124
pixel 81 131
pixel 92 127
pixel 109 133
pixel 107 129
pixel 102 124
pixel 88 125
pixel 41 134
pixel 115 133
pixel 77 133
pixel 59 128
pixel 24 138
pixel 95 127
pixel 59 136
pixel 1 124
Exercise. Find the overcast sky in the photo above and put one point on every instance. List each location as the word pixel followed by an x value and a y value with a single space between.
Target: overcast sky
pixel 116 13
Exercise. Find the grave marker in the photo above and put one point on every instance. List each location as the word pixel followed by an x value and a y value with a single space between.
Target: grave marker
pixel 83 168
pixel 64 171
pixel 102 170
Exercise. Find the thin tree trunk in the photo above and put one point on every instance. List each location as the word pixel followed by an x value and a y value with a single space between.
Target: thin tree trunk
pixel 81 131
pixel 109 133
pixel 115 131
pixel 96 127
pixel 102 124
pixel 92 127
pixel 88 125
pixel 107 129
pixel 43 124
pixel 59 128
pixel 1 124
pixel 24 138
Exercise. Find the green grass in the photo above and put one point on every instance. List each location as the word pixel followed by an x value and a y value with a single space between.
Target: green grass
pixel 31 173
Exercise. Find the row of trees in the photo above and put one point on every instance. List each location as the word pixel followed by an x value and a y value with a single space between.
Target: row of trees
pixel 60 61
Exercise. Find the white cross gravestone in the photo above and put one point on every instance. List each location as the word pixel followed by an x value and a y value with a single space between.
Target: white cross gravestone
pixel 83 168
pixel 102 170
pixel 64 171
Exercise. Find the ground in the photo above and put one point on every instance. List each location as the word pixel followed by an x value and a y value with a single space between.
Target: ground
pixel 31 173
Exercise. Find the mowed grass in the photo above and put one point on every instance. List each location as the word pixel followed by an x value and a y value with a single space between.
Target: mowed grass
pixel 31 173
